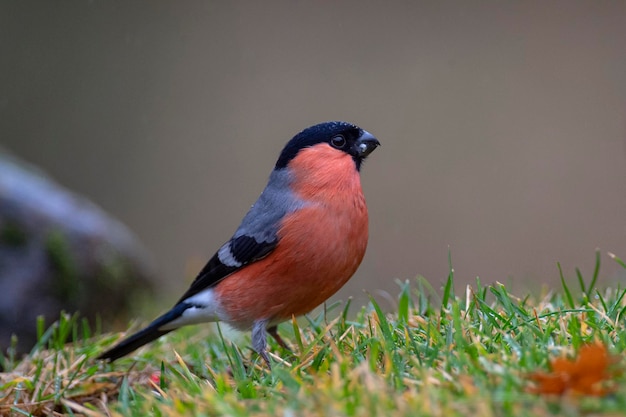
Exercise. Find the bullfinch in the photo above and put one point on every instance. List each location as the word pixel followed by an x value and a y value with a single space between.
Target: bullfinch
pixel 298 244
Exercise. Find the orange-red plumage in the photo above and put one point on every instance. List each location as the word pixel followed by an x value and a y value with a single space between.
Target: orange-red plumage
pixel 320 246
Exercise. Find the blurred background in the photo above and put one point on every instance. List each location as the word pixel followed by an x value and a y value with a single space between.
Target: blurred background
pixel 503 125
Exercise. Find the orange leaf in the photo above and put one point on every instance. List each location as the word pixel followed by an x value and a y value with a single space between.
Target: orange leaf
pixel 589 373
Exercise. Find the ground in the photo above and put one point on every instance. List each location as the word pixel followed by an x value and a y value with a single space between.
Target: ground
pixel 472 351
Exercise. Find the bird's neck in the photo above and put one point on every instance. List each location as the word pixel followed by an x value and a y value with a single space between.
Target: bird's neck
pixel 324 175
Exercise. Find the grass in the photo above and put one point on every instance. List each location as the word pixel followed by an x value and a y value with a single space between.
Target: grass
pixel 461 353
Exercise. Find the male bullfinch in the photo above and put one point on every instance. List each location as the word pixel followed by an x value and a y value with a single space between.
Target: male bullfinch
pixel 299 244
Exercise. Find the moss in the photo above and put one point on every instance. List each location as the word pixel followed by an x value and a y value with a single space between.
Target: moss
pixel 66 284
pixel 13 235
pixel 113 268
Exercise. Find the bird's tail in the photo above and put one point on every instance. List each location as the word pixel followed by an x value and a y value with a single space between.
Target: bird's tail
pixel 147 335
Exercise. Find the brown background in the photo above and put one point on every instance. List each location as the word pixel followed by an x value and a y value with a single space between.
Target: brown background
pixel 503 123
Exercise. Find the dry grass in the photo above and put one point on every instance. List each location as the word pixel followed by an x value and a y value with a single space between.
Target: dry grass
pixel 469 353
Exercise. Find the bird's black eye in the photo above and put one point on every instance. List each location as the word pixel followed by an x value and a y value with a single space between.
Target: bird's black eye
pixel 338 141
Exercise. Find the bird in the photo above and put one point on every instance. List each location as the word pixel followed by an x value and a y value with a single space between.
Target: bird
pixel 298 244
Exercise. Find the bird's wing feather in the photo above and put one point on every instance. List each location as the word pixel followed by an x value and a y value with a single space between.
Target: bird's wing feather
pixel 242 251
pixel 255 238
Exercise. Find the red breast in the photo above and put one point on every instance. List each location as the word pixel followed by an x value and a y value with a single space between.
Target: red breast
pixel 320 245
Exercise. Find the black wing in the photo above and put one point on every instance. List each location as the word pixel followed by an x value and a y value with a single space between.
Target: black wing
pixel 241 250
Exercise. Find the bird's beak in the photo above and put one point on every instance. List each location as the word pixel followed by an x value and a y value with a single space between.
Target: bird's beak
pixel 366 144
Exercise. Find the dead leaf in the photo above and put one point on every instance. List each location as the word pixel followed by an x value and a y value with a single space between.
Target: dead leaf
pixel 591 372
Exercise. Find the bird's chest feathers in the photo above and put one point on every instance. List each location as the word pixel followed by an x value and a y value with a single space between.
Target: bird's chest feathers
pixel 330 231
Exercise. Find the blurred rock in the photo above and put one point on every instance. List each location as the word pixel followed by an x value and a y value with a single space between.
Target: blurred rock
pixel 60 252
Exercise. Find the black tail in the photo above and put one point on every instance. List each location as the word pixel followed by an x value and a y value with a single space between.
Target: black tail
pixel 147 335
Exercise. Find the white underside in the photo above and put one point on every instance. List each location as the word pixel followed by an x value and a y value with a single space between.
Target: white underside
pixel 208 310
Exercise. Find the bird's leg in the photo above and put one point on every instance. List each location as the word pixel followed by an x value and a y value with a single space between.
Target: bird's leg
pixel 259 340
pixel 273 331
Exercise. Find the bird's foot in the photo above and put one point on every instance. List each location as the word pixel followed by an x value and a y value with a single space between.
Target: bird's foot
pixel 259 340
pixel 273 331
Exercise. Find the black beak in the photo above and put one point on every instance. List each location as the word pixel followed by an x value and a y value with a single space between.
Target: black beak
pixel 366 144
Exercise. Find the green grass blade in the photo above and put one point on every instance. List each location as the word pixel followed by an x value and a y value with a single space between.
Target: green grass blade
pixel 581 280
pixel 448 291
pixel 568 294
pixel 618 260
pixel 404 303
pixel 596 273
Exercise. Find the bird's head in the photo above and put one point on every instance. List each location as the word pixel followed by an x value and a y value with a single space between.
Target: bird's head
pixel 342 136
